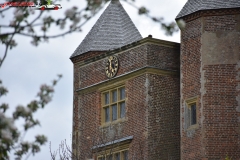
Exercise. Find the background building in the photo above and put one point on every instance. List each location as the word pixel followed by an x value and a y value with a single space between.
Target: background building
pixel 152 99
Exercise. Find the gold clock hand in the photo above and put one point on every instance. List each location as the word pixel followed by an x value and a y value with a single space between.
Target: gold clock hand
pixel 110 64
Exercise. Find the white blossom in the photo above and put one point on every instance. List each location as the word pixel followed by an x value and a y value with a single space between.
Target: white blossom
pixel 70 13
pixel 6 134
pixel 181 23
pixel 18 13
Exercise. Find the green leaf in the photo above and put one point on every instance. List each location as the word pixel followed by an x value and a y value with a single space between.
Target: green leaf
pixel 33 106
pixel 41 139
pixel 3 91
pixel 23 112
pixel 4 106
pixel 35 149
pixel 142 10
pixel 4 36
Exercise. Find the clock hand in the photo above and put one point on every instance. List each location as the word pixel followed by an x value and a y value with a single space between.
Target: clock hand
pixel 110 64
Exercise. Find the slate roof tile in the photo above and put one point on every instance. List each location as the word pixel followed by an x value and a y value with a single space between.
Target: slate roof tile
pixel 112 30
pixel 196 5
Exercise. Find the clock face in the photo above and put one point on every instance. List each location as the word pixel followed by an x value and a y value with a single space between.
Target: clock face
pixel 111 66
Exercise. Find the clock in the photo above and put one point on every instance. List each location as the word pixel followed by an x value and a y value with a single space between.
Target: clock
pixel 111 66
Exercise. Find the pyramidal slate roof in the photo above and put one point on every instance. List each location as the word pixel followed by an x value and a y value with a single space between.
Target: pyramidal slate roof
pixel 196 5
pixel 112 30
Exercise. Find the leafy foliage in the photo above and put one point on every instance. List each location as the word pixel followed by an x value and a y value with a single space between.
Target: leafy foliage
pixel 11 138
pixel 26 23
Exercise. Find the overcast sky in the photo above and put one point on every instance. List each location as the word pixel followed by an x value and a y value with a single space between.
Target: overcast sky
pixel 27 67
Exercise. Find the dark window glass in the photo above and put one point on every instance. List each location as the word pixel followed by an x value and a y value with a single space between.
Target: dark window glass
pixel 193 114
pixel 107 117
pixel 125 155
pixel 106 98
pixel 122 109
pixel 117 156
pixel 110 157
pixel 189 116
pixel 114 112
pixel 114 96
pixel 122 93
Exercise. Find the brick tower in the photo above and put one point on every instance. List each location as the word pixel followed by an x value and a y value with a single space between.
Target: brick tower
pixel 210 80
pixel 126 93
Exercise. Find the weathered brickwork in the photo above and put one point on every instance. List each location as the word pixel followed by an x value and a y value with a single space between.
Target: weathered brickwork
pixel 86 56
pixel 142 102
pixel 228 23
pixel 168 57
pixel 136 114
pixel 94 73
pixel 221 117
pixel 163 82
pixel 89 111
pixel 210 69
pixel 163 117
pixel 209 57
pixel 88 122
pixel 75 109
pixel 191 140
pixel 144 55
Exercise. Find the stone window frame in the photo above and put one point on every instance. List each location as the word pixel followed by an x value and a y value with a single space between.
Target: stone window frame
pixel 112 147
pixel 189 102
pixel 118 102
pixel 120 152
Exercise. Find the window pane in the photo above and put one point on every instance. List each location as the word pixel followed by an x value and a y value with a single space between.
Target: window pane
pixel 122 109
pixel 107 117
pixel 114 112
pixel 122 93
pixel 114 96
pixel 193 114
pixel 125 155
pixel 117 156
pixel 106 98
pixel 189 116
pixel 110 157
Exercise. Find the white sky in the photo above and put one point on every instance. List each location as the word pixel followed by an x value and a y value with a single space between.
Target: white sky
pixel 27 67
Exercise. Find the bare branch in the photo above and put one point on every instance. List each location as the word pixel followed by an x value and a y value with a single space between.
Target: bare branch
pixel 6 50
pixel 3 10
pixel 40 14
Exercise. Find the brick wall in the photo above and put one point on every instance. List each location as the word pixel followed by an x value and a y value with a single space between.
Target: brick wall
pixel 191 141
pixel 209 57
pixel 93 73
pixel 221 117
pixel 140 121
pixel 136 124
pixel 163 117
pixel 138 57
pixel 166 58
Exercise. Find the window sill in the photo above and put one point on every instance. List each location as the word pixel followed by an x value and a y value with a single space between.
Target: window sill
pixel 193 127
pixel 113 122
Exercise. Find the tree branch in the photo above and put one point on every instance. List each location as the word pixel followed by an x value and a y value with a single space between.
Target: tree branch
pixel 5 53
pixel 45 36
pixel 3 10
